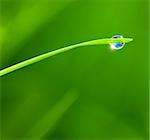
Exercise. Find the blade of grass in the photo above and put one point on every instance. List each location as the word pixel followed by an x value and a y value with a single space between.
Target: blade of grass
pixel 55 52
pixel 19 115
pixel 31 16
pixel 51 118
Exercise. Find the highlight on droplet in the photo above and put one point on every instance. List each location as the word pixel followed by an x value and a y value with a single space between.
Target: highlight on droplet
pixel 117 46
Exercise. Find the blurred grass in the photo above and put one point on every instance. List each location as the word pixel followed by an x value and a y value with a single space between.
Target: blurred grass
pixel 114 85
pixel 32 15
pixel 52 117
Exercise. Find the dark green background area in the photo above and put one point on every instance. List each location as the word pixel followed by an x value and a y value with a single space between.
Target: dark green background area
pixel 111 86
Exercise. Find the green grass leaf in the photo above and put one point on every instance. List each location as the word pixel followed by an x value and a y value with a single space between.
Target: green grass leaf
pixel 58 51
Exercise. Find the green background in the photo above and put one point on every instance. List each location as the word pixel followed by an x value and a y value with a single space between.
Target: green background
pixel 87 93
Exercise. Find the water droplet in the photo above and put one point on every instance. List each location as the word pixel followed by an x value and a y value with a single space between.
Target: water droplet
pixel 119 45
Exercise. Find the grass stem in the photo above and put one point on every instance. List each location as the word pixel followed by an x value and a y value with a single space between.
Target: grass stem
pixel 58 51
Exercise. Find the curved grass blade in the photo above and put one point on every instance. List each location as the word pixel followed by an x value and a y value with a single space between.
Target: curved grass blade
pixel 58 51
